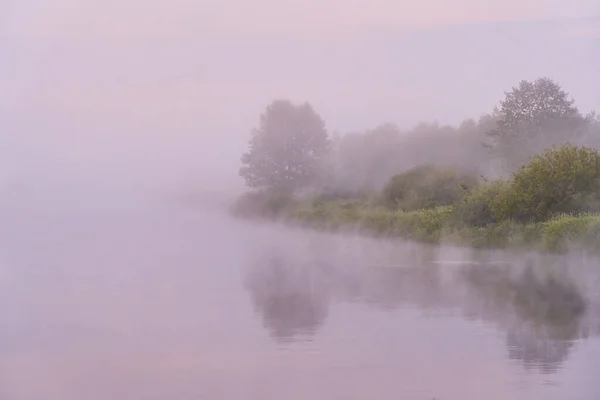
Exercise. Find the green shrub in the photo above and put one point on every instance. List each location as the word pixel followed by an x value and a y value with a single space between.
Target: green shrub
pixel 481 206
pixel 433 223
pixel 426 187
pixel 377 220
pixel 564 231
pixel 546 205
pixel 562 179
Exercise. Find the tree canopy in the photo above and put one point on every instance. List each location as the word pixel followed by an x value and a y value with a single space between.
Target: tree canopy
pixel 533 116
pixel 288 150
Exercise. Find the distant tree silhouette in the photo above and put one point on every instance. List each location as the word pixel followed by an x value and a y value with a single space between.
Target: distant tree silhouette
pixel 288 150
pixel 533 116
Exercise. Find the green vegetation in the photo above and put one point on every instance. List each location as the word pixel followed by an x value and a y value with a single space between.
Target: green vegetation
pixel 550 202
pixel 426 186
pixel 487 214
pixel 559 180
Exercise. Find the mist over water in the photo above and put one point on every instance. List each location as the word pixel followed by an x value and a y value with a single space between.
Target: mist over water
pixel 122 276
pixel 153 299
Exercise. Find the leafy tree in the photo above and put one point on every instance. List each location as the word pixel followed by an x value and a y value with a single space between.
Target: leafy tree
pixel 533 116
pixel 563 179
pixel 287 151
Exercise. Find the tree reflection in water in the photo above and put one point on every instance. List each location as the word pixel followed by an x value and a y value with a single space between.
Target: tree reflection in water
pixel 292 299
pixel 541 315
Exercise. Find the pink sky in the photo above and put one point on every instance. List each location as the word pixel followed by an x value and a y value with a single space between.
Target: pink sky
pixel 69 18
pixel 122 85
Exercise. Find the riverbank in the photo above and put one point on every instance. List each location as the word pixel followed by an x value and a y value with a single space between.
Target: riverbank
pixel 436 226
pixel 550 204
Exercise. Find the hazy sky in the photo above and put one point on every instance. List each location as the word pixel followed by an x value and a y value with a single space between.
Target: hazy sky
pixel 64 18
pixel 131 89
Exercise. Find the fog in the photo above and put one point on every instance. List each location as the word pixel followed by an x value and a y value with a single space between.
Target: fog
pixel 156 95
pixel 115 113
pixel 132 301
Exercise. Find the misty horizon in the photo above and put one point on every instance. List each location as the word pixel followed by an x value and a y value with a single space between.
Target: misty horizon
pixel 95 101
pixel 291 200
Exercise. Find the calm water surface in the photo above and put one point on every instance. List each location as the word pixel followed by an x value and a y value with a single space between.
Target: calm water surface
pixel 150 301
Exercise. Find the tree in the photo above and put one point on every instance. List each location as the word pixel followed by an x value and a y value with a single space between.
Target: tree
pixel 287 152
pixel 533 116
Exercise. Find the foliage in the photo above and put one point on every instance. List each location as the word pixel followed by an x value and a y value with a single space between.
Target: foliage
pixel 563 179
pixel 365 161
pixel 565 232
pixel 268 204
pixel 533 116
pixel 426 187
pixel 551 202
pixel 481 206
pixel 425 225
pixel 559 234
pixel 288 150
pixel 437 225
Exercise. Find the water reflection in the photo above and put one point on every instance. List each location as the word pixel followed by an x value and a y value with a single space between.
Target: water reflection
pixel 540 314
pixel 292 300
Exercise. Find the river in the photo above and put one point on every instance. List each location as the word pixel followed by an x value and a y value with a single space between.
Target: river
pixel 127 301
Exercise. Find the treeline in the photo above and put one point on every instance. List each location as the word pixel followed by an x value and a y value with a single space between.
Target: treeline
pixel 292 151
pixel 363 162
pixel 552 203
pixel 500 172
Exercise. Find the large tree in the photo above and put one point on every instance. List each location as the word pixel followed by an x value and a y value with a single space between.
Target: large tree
pixel 533 116
pixel 288 150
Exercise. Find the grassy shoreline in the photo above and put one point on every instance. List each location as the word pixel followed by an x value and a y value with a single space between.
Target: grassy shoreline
pixel 437 226
pixel 551 204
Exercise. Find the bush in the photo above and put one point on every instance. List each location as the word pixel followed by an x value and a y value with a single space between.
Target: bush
pixel 426 187
pixel 264 204
pixel 426 225
pixel 563 179
pixel 481 206
pixel 564 232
